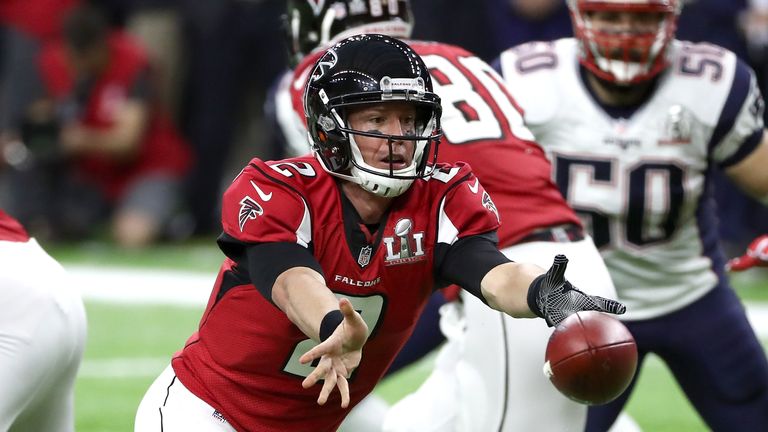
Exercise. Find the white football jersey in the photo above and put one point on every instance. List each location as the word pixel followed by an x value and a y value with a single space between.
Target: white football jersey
pixel 639 180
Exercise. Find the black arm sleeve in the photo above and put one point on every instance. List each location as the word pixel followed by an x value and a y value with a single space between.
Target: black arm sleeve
pixel 467 261
pixel 266 261
pixel 262 263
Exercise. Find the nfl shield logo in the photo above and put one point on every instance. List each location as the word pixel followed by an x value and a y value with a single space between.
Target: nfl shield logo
pixel 365 256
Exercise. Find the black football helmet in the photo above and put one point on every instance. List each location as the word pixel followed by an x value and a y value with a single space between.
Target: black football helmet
pixel 309 24
pixel 370 69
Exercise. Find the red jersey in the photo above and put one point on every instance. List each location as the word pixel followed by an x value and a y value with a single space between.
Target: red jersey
pixel 162 148
pixel 483 126
pixel 243 360
pixel 11 229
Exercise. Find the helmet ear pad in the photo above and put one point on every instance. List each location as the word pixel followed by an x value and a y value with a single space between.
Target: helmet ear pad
pixel 331 145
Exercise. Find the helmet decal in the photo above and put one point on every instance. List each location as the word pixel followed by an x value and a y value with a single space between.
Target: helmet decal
pixel 326 63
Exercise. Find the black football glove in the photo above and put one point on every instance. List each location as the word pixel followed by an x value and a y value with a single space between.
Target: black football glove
pixel 553 298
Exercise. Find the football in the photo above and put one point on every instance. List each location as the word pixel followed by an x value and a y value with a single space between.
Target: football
pixel 591 358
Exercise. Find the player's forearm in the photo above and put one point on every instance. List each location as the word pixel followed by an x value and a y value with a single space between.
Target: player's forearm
pixel 301 293
pixel 505 288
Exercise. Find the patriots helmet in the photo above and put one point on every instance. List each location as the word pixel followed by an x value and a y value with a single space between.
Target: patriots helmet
pixel 623 55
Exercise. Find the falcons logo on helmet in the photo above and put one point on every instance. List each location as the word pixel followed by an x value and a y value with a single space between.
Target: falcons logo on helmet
pixel 249 209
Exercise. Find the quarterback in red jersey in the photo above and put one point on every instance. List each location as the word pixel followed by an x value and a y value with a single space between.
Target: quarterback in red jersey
pixel 482 126
pixel 326 255
pixel 43 330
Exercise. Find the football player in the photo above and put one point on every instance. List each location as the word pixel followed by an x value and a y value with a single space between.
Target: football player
pixel 42 335
pixel 634 122
pixel 340 251
pixel 483 127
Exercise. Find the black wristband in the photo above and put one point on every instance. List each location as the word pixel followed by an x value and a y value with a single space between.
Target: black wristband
pixel 328 325
pixel 533 295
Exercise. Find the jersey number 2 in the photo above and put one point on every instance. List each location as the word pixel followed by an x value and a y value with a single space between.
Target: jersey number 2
pixel 369 307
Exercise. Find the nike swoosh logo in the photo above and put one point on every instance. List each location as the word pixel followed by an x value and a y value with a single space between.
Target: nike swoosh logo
pixel 264 197
pixel 474 187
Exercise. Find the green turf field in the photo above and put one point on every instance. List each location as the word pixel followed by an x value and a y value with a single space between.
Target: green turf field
pixel 130 344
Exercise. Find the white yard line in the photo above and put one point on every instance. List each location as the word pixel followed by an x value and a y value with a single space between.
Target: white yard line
pixel 149 286
pixel 123 367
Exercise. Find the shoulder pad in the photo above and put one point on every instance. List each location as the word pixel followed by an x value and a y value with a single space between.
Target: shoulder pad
pixel 266 202
pixel 538 74
pixel 467 209
pixel 702 68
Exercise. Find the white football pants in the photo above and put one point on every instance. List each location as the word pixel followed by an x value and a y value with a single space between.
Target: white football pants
pixel 168 406
pixel 42 338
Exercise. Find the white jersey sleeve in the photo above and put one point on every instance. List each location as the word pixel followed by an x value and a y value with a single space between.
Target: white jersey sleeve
pixel 521 61
pixel 740 124
pixel 639 178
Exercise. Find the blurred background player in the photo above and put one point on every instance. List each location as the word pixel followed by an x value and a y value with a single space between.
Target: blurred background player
pixel 93 145
pixel 42 335
pixel 489 376
pixel 755 256
pixel 370 219
pixel 635 122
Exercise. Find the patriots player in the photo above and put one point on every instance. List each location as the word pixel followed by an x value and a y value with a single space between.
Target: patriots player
pixel 330 254
pixel 488 375
pixel 42 335
pixel 634 122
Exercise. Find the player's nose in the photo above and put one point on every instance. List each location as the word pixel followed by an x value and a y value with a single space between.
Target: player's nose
pixel 395 126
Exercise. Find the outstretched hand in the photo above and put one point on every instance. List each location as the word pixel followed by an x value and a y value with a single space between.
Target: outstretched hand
pixel 339 355
pixel 755 256
pixel 556 299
